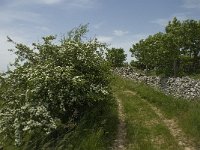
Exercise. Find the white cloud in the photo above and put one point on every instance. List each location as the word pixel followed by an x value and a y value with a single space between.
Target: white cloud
pixel 20 34
pixel 126 45
pixel 191 4
pixel 106 39
pixel 62 3
pixel 42 28
pixel 49 2
pixel 126 42
pixel 8 16
pixel 81 3
pixel 161 22
pixel 18 3
pixel 6 57
pixel 120 32
pixel 98 25
pixel 137 37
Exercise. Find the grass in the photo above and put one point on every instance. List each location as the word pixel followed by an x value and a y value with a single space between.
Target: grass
pixel 187 113
pixel 145 130
pixel 195 76
pixel 95 131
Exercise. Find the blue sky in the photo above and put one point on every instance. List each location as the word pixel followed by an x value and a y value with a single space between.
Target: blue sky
pixel 117 22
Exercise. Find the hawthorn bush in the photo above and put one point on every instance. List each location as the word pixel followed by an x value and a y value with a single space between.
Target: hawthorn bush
pixel 53 83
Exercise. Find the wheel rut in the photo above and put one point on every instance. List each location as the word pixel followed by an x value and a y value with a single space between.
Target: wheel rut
pixel 180 137
pixel 182 140
pixel 119 143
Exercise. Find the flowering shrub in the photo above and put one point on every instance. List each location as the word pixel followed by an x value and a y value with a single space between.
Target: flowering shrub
pixel 52 84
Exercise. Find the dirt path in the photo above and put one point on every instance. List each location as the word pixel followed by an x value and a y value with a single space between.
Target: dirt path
pixel 182 140
pixel 121 135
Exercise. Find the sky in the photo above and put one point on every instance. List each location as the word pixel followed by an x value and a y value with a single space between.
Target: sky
pixel 120 23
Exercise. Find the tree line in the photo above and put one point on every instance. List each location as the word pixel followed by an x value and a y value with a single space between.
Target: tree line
pixel 175 52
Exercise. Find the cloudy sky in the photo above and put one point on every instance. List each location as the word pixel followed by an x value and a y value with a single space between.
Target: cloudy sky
pixel 118 22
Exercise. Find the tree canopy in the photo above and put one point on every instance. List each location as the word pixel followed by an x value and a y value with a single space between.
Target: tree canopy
pixel 175 52
pixel 116 57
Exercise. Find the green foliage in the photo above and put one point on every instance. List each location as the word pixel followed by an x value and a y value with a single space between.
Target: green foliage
pixel 147 51
pixel 53 85
pixel 95 130
pixel 116 57
pixel 166 53
pixel 137 64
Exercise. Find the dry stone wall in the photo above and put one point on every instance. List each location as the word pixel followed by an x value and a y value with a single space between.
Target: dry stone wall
pixel 179 87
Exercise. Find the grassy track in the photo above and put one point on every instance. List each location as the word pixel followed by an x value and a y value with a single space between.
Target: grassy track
pixel 145 129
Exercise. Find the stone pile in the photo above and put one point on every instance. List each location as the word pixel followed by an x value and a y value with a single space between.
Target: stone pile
pixel 179 87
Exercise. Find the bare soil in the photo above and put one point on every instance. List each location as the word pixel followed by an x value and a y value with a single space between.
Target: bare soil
pixel 120 141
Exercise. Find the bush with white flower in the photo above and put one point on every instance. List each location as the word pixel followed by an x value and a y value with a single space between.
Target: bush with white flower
pixel 52 83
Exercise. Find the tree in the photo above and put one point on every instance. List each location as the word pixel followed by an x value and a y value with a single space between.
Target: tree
pixel 53 84
pixel 116 57
pixel 174 42
pixel 175 52
pixel 191 44
pixel 147 51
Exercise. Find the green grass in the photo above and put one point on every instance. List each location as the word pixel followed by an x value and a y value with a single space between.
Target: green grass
pixel 186 112
pixel 145 130
pixel 96 131
pixel 195 76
